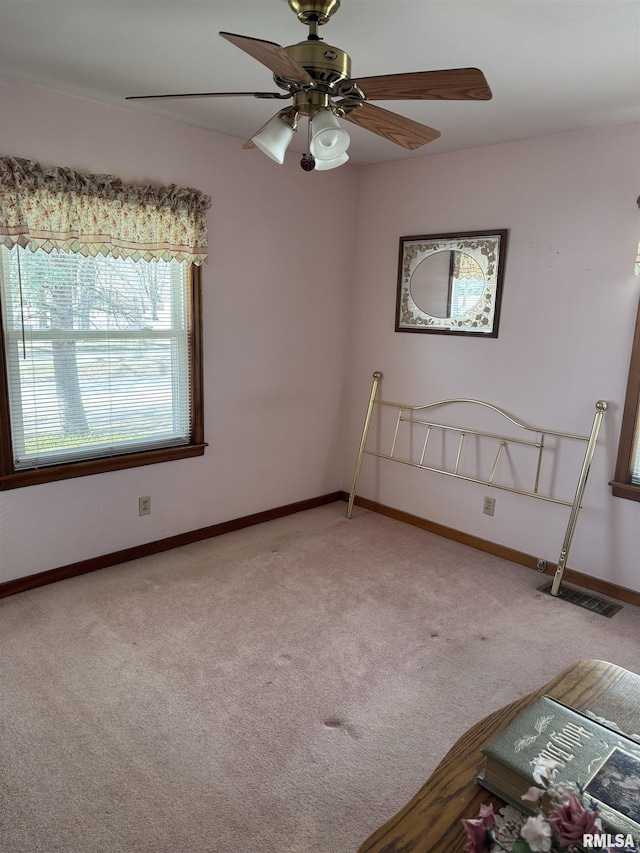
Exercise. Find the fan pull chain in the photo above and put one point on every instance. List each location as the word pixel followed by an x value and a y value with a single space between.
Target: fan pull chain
pixel 308 161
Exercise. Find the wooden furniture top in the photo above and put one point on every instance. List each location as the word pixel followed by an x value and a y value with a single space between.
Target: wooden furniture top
pixel 430 822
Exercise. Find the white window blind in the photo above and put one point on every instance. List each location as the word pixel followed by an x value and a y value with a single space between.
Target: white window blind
pixel 98 355
pixel 635 471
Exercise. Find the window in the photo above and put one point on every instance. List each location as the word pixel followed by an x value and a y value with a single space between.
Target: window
pixel 99 363
pixel 627 477
pixel 100 323
pixel 98 360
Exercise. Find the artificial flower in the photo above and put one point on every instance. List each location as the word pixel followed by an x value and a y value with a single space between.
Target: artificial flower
pixel 533 795
pixel 563 792
pixel 544 770
pixel 537 833
pixel 480 831
pixel 571 821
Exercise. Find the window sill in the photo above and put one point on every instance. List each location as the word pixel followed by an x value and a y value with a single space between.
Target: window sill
pixel 54 473
pixel 625 490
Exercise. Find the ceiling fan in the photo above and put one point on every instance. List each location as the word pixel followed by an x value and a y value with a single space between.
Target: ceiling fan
pixel 317 76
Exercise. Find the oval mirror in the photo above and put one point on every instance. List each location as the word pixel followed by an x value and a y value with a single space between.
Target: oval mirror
pixel 447 284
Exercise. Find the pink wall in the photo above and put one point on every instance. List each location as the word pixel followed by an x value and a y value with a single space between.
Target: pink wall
pixel 274 331
pixel 570 299
pixel 291 340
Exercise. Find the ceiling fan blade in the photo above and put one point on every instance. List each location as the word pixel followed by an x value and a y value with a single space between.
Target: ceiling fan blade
pixel 184 96
pixel 403 131
pixel 456 84
pixel 272 55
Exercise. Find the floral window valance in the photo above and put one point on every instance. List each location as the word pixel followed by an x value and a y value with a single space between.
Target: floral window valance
pixel 58 208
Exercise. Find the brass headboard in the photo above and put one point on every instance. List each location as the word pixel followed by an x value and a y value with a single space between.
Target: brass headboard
pixel 533 437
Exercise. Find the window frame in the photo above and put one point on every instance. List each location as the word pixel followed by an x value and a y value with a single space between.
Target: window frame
pixel 12 479
pixel 621 485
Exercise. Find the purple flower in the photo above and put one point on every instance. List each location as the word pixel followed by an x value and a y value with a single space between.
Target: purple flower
pixel 480 831
pixel 571 821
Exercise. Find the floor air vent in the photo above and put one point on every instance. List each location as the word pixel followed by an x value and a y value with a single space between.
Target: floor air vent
pixel 589 602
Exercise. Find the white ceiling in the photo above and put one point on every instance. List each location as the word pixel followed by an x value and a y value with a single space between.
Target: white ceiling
pixel 553 65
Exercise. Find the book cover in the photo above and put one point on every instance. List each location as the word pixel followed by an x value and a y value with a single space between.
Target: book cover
pixel 604 762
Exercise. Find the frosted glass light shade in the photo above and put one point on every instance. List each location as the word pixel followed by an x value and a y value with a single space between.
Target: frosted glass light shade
pixel 325 165
pixel 328 139
pixel 274 139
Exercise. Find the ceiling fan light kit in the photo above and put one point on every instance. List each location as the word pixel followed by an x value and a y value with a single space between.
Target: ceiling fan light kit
pixel 325 165
pixel 274 138
pixel 317 76
pixel 328 140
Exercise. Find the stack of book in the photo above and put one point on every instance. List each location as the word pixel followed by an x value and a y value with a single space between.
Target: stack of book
pixel 604 762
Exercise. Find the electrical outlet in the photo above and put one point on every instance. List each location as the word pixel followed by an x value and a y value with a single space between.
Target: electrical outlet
pixel 144 505
pixel 489 506
pixel 541 565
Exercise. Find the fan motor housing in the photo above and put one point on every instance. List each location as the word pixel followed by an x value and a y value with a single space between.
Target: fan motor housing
pixel 327 65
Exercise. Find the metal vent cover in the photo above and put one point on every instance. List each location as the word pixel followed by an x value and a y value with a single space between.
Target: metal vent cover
pixel 582 599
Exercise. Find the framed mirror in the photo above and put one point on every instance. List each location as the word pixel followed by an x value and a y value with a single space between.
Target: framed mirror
pixel 451 283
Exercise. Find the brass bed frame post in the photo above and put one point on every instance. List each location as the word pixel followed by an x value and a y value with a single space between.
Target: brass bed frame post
pixel 577 501
pixel 377 376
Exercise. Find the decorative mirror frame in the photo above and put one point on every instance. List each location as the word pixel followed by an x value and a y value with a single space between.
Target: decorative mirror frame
pixel 487 248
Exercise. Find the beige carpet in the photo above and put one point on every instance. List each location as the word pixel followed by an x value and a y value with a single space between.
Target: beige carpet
pixel 282 689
